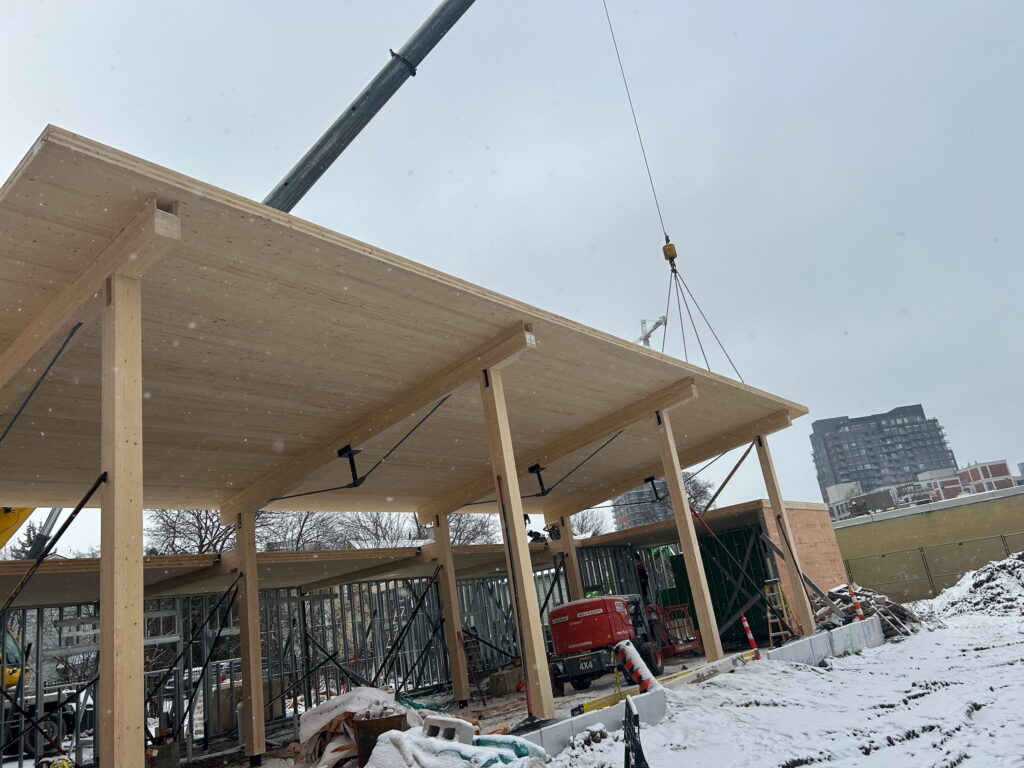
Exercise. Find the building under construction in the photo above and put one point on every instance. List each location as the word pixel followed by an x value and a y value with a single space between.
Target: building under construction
pixel 206 351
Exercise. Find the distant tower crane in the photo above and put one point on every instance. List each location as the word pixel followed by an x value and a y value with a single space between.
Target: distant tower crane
pixel 646 333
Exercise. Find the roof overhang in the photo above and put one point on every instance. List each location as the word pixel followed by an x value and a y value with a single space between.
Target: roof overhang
pixel 270 342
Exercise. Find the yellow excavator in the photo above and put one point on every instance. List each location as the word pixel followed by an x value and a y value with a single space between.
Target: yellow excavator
pixel 11 520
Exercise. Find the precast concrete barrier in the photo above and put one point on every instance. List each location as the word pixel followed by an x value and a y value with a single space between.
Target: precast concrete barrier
pixel 840 641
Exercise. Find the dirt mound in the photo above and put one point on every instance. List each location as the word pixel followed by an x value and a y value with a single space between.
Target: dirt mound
pixel 996 589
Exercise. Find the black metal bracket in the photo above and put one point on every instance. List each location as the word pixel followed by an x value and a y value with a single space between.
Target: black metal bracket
pixel 654 487
pixel 349 452
pixel 536 469
pixel 400 57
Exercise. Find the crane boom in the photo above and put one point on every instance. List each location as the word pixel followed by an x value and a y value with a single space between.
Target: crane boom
pixel 402 65
pixel 43 534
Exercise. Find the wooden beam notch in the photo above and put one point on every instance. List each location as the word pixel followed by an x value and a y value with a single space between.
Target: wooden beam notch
pixel 142 242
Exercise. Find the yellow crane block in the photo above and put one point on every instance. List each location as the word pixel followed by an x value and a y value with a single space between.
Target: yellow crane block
pixel 11 519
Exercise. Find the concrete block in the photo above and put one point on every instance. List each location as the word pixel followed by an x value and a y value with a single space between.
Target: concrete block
pixel 448 728
pixel 650 706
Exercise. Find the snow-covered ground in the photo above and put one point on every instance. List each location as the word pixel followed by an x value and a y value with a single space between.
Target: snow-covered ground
pixel 941 698
pixel 951 695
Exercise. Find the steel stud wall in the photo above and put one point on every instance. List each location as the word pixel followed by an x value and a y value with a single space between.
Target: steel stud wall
pixel 306 640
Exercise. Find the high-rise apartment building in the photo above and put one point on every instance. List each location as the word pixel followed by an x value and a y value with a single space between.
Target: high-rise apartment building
pixel 876 451
pixel 640 507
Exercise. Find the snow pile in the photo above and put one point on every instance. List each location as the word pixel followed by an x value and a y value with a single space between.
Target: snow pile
pixel 996 589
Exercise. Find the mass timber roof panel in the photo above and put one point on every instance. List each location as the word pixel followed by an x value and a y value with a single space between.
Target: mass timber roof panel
pixel 266 336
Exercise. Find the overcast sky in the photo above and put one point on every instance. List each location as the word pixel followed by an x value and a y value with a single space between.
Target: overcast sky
pixel 842 180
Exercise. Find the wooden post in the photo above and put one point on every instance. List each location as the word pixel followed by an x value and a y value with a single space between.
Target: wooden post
pixel 252 724
pixel 801 605
pixel 572 563
pixel 539 698
pixel 121 694
pixel 457 663
pixel 706 621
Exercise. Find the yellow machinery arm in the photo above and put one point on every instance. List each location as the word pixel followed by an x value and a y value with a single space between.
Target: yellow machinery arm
pixel 11 519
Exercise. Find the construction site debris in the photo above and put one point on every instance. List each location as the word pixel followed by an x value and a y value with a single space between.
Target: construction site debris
pixel 331 734
pixel 594 734
pixel 505 681
pixel 996 589
pixel 897 619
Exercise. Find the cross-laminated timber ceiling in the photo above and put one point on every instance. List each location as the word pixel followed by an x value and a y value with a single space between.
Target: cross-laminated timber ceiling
pixel 265 336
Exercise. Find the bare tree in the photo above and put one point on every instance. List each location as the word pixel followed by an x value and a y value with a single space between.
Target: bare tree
pixel 187 531
pixel 74 667
pixel 395 529
pixel 294 531
pixel 91 551
pixel 589 522
pixel 198 531
pixel 699 491
pixel 376 529
pixel 473 529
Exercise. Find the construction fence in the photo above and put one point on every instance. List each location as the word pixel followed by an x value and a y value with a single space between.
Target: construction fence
pixel 923 572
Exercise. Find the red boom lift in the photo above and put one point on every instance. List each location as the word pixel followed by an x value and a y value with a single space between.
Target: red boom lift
pixel 583 633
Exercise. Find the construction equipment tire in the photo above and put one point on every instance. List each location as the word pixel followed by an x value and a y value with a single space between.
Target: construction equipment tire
pixel 557 683
pixel 651 654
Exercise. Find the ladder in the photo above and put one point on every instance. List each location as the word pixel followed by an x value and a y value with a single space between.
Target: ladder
pixel 471 647
pixel 778 613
